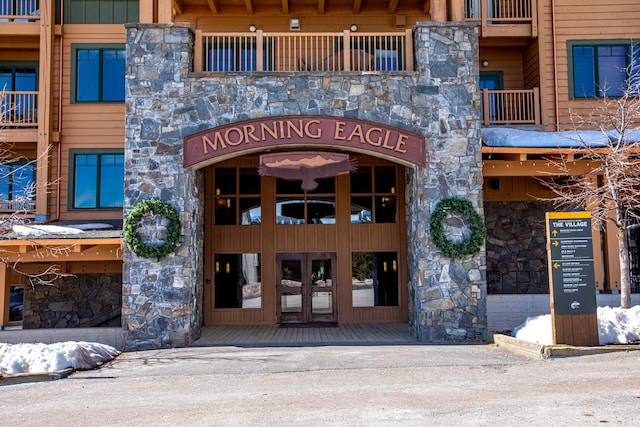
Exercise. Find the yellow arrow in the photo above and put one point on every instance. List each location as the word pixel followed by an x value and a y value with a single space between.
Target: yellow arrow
pixel 555 243
pixel 554 232
pixel 556 265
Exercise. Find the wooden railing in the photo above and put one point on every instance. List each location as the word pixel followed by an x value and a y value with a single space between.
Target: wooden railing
pixel 17 207
pixel 502 13
pixel 511 107
pixel 19 109
pixel 19 10
pixel 285 52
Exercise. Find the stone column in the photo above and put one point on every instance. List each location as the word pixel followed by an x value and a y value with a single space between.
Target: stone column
pixel 161 300
pixel 447 297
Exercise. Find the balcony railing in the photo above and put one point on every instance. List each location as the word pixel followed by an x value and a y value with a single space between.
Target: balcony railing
pixel 286 52
pixel 511 107
pixel 17 207
pixel 504 17
pixel 19 109
pixel 19 10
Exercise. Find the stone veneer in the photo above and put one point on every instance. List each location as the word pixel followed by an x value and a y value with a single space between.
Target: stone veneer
pixel 162 301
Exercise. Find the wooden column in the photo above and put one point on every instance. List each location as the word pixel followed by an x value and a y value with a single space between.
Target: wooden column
pixel 145 11
pixel 598 262
pixel 45 106
pixel 456 10
pixel 165 11
pixel 5 290
pixel 439 10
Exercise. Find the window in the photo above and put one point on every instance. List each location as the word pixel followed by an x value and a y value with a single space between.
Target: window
pixel 99 73
pixel 17 181
pixel 373 195
pixel 237 281
pixel 100 11
pixel 97 180
pixel 237 196
pixel 18 81
pixel 297 206
pixel 374 280
pixel 598 69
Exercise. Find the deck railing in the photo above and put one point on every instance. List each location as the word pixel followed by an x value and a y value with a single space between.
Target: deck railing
pixel 502 13
pixel 17 207
pixel 19 109
pixel 512 107
pixel 19 10
pixel 286 52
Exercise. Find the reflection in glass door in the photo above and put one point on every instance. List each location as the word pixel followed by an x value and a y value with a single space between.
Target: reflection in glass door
pixel 306 287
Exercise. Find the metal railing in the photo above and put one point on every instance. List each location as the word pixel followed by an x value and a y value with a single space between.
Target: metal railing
pixel 286 52
pixel 19 109
pixel 19 10
pixel 513 107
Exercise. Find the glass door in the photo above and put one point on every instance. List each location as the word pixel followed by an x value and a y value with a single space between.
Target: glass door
pixel 306 287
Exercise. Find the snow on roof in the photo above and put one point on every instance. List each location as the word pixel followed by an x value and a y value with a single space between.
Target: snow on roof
pixel 511 137
pixel 42 230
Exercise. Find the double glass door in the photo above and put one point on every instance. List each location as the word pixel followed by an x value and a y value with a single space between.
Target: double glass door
pixel 306 287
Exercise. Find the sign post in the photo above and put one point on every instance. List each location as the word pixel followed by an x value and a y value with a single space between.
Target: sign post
pixel 574 311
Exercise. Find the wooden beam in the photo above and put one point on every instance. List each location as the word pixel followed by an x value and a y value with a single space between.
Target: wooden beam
pixel 321 7
pixel 177 5
pixel 356 6
pixel 145 12
pixel 249 6
pixel 393 5
pixel 5 294
pixel 285 6
pixel 533 168
pixel 213 6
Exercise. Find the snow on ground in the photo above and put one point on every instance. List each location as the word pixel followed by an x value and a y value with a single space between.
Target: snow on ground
pixel 615 326
pixel 38 358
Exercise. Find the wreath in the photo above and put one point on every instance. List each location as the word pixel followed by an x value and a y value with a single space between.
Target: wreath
pixel 133 239
pixel 469 246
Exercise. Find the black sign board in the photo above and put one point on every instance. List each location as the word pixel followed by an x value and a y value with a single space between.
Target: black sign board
pixel 571 267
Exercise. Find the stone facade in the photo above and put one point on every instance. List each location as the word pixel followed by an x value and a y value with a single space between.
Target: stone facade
pixel 516 254
pixel 81 300
pixel 162 301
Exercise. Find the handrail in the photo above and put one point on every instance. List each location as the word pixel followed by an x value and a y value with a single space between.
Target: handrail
pixel 504 12
pixel 19 10
pixel 19 108
pixel 285 52
pixel 512 107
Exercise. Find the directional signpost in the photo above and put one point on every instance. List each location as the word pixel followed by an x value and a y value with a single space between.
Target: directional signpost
pixel 571 272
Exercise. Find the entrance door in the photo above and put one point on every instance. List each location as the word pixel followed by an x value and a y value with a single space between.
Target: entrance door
pixel 306 287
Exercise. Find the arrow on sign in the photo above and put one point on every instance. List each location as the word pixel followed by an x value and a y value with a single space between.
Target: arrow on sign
pixel 556 265
pixel 555 243
pixel 555 233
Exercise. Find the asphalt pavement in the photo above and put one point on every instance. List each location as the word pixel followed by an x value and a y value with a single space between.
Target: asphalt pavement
pixel 349 385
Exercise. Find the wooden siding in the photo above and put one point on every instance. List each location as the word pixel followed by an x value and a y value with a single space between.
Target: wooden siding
pixel 578 20
pixel 508 60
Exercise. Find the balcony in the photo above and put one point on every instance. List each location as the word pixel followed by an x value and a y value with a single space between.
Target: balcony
pixel 19 109
pixel 286 52
pixel 20 17
pixel 504 18
pixel 511 107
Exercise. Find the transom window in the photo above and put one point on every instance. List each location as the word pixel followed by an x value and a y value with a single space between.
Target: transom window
pixel 237 196
pixel 602 69
pixel 99 74
pixel 297 206
pixel 97 180
pixel 373 195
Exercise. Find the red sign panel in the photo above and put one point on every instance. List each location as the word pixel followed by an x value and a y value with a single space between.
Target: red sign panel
pixel 234 139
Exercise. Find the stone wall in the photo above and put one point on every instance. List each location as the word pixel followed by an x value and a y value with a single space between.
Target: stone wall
pixel 162 301
pixel 516 241
pixel 82 300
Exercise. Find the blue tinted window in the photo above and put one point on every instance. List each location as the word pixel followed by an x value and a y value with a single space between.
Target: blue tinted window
pixel 98 181
pixel 584 71
pixel 17 181
pixel 612 70
pixel 603 70
pixel 100 75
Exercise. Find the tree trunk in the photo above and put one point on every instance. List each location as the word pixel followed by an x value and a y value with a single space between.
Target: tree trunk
pixel 625 277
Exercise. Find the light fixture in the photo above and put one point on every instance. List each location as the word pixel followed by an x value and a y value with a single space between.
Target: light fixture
pixel 252 28
pixel 384 266
pixel 227 268
pixel 294 24
pixel 395 266
pixel 485 63
pixel 354 28
pixel 217 266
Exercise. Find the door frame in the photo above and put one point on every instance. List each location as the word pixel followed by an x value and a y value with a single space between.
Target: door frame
pixel 308 288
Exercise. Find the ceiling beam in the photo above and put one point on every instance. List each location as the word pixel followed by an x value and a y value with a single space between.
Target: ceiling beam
pixel 249 6
pixel 393 5
pixel 285 6
pixel 321 7
pixel 213 6
pixel 177 5
pixel 356 6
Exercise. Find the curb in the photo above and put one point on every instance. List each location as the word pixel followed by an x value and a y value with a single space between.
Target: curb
pixel 540 351
pixel 12 379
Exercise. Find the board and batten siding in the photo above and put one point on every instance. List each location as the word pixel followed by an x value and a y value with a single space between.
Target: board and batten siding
pixel 578 20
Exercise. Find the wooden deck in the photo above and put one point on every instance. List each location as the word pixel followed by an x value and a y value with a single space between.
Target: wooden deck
pixel 350 333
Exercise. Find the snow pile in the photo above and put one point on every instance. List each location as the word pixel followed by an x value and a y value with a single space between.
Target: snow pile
pixel 36 358
pixel 41 230
pixel 510 137
pixel 615 326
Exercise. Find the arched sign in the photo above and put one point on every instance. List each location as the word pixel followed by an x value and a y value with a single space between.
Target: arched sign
pixel 250 136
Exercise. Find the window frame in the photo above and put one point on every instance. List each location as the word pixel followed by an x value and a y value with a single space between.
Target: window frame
pixel 595 44
pixel 72 182
pixel 14 165
pixel 75 47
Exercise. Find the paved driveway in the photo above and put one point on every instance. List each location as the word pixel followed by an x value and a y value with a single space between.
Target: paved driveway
pixel 461 385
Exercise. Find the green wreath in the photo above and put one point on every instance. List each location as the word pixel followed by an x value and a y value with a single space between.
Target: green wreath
pixel 470 246
pixel 133 239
